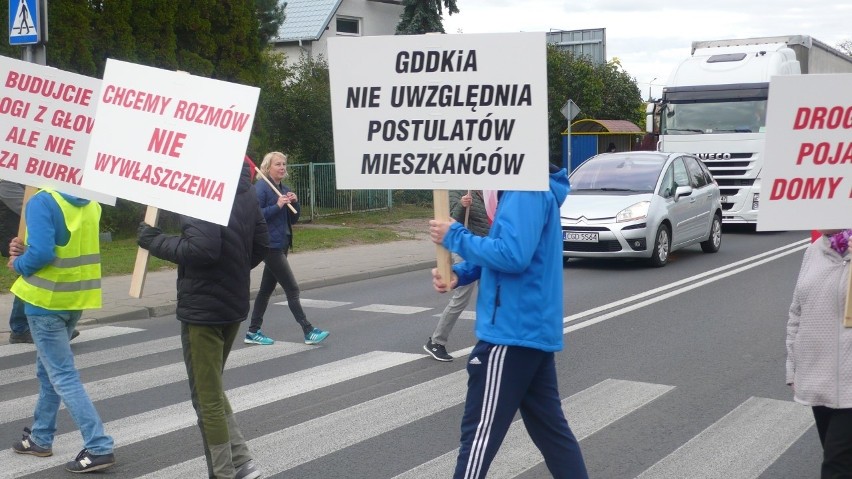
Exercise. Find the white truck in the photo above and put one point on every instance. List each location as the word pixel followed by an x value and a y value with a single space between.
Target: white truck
pixel 714 106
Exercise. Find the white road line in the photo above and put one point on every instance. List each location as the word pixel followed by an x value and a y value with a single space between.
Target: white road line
pixel 588 412
pixel 23 407
pixel 469 315
pixel 92 334
pixel 332 432
pixel 157 422
pixel 98 358
pixel 391 308
pixel 741 445
pixel 658 295
pixel 317 303
pixel 664 296
pixel 796 246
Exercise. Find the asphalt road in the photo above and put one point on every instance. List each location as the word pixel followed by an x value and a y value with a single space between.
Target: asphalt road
pixel 675 372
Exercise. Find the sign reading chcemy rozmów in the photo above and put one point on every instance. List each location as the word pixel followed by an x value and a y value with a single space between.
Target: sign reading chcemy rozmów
pixel 440 111
pixel 170 140
pixel 807 177
pixel 46 120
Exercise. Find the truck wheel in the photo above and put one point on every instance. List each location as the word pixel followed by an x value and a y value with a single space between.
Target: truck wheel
pixel 714 242
pixel 662 246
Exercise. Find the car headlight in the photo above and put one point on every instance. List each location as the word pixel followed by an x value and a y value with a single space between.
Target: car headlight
pixel 633 212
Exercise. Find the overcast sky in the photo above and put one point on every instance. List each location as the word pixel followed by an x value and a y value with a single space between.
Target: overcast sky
pixel 651 37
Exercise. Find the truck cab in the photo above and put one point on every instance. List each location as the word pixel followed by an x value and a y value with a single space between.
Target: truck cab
pixel 714 106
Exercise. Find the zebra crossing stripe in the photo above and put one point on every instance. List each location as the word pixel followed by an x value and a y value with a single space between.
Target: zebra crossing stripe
pixel 85 335
pixel 21 408
pixel 587 412
pixel 98 358
pixel 317 303
pixel 468 315
pixel 157 422
pixel 323 435
pixel 391 308
pixel 741 445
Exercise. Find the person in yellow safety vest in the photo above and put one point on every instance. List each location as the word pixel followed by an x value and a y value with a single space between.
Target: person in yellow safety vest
pixel 60 270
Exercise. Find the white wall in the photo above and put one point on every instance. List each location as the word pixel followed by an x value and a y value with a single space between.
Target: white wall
pixel 377 18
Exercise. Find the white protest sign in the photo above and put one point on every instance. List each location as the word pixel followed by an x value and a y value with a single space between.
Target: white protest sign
pixel 807 175
pixel 46 119
pixel 440 111
pixel 170 140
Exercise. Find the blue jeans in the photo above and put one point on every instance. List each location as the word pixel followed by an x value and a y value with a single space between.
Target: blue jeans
pixel 59 380
pixel 18 319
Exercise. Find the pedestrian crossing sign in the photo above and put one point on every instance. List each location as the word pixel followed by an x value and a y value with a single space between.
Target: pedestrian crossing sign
pixel 23 22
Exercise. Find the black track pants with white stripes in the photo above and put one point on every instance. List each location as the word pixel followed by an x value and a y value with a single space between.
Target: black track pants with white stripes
pixel 503 379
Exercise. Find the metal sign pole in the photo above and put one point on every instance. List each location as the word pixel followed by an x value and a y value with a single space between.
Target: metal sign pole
pixel 569 110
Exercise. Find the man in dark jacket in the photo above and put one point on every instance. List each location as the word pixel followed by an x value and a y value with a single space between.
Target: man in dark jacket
pixel 214 266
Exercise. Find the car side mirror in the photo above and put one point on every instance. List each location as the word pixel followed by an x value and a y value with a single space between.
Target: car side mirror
pixel 683 191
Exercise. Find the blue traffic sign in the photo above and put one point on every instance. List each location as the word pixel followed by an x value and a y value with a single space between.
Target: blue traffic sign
pixel 23 22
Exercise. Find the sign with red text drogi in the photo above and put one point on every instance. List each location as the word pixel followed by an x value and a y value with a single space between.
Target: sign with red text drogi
pixel 46 120
pixel 807 180
pixel 170 140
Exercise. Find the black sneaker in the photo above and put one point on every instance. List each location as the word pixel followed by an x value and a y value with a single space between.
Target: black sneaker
pixel 74 334
pixel 437 351
pixel 88 462
pixel 26 446
pixel 24 337
pixel 247 471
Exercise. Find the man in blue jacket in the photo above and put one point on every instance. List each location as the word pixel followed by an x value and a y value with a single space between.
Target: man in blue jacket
pixel 519 327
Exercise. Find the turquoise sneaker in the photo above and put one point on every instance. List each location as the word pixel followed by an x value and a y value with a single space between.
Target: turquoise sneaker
pixel 316 336
pixel 258 338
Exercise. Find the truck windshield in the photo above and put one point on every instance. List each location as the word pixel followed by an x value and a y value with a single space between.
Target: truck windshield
pixel 743 116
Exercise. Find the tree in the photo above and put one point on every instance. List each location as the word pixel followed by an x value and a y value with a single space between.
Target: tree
pixel 297 107
pixel 603 92
pixel 270 15
pixel 71 45
pixel 424 16
pixel 846 47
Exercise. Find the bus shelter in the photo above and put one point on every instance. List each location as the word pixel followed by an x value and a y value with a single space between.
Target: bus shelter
pixel 590 137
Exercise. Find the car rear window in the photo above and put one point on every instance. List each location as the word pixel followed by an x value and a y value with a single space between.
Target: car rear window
pixel 618 172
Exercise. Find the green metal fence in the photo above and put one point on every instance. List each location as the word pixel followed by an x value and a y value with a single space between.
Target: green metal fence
pixel 315 185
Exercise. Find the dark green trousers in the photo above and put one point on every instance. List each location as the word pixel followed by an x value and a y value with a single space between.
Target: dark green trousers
pixel 205 350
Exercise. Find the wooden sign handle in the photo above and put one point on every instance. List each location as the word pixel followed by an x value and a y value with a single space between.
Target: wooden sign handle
pixel 29 191
pixel 137 281
pixel 274 188
pixel 467 212
pixel 441 205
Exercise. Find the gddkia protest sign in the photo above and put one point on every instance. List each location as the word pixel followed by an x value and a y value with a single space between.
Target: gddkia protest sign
pixel 46 121
pixel 807 180
pixel 440 111
pixel 170 140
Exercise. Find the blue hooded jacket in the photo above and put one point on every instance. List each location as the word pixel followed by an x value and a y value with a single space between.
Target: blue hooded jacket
pixel 519 268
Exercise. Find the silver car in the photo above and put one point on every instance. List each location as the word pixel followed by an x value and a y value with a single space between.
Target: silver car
pixel 640 204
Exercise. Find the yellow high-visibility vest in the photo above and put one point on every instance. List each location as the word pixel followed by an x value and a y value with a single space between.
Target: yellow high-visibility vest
pixel 72 281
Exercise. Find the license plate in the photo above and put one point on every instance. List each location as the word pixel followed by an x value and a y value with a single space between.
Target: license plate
pixel 723 199
pixel 579 237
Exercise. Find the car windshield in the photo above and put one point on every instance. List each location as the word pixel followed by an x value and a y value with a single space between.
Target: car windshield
pixel 618 173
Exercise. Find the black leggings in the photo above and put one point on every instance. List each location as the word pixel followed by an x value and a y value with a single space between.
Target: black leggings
pixel 276 269
pixel 835 433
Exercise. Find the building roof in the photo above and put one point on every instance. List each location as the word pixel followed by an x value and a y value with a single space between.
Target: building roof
pixel 306 19
pixel 605 126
